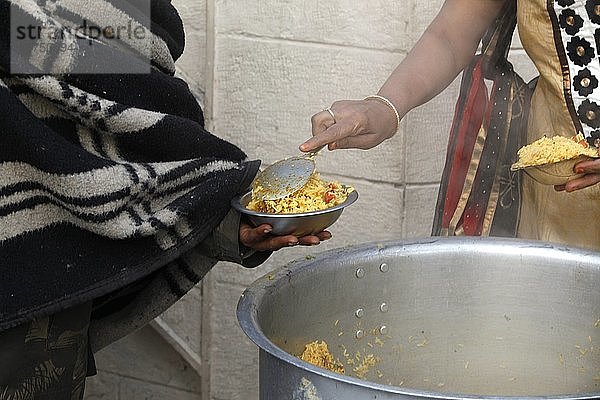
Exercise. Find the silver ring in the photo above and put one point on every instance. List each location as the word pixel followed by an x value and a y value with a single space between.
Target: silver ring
pixel 330 113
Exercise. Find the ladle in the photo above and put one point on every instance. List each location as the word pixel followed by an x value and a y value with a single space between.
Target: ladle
pixel 284 177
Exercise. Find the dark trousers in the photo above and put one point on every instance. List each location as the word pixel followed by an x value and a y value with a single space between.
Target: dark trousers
pixel 47 358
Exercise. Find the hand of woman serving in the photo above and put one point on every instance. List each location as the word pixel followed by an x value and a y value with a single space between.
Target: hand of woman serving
pixel 591 169
pixel 360 124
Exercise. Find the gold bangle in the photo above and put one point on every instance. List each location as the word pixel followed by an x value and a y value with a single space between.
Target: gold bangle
pixel 390 105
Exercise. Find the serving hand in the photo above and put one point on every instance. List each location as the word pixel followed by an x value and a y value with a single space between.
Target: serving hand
pixel 591 169
pixel 359 124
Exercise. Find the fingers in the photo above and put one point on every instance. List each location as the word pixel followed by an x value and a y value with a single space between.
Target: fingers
pixel 332 123
pixel 309 240
pixel 261 239
pixel 258 239
pixel 250 235
pixel 363 142
pixel 321 121
pixel 325 235
pixel 583 182
pixel 329 137
pixel 591 169
pixel 312 143
pixel 312 240
pixel 588 167
pixel 359 124
pixel 275 243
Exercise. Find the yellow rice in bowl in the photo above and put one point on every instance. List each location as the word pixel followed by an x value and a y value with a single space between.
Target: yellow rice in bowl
pixel 552 150
pixel 316 195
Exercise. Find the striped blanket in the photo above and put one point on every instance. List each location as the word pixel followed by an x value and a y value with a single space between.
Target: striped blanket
pixel 106 177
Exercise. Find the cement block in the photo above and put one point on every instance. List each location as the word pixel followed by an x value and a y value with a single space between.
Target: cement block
pixel 233 369
pixel 135 390
pixel 192 63
pixel 185 318
pixel 109 386
pixel 375 24
pixel 146 357
pixel 266 92
pixel 419 210
pixel 421 15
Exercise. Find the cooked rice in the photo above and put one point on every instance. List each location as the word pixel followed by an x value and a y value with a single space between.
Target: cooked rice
pixel 317 353
pixel 315 195
pixel 550 150
pixel 363 368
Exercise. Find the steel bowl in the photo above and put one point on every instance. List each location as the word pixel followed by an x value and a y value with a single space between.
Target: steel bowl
pixel 301 224
pixel 448 318
pixel 557 173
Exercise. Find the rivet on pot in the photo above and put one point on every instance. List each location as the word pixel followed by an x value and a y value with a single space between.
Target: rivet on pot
pixel 360 273
pixel 359 334
pixel 359 313
pixel 384 307
pixel 384 267
pixel 383 330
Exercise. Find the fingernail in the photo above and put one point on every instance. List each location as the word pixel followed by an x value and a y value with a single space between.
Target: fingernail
pixel 303 147
pixel 292 243
pixel 268 230
pixel 579 170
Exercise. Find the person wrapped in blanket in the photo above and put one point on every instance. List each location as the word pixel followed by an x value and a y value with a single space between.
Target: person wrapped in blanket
pixel 559 36
pixel 114 199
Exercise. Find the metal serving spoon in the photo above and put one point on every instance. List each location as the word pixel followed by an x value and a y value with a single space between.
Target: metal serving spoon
pixel 284 177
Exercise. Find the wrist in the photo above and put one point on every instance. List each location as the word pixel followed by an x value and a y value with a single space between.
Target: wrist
pixel 391 110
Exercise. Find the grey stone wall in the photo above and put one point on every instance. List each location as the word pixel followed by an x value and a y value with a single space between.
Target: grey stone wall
pixel 262 68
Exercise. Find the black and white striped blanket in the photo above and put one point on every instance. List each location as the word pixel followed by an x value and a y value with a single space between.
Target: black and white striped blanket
pixel 104 178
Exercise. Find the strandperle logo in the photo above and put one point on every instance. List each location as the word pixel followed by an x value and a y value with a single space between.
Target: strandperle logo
pixel 64 36
pixel 89 30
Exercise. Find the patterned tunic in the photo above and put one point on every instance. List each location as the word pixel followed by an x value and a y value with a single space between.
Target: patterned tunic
pixel 562 37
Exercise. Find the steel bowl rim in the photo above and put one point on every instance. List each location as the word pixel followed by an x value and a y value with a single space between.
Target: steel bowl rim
pixel 544 166
pixel 235 203
pixel 246 311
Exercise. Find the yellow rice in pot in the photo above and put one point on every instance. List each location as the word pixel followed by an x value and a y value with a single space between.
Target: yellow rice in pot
pixel 317 353
pixel 315 195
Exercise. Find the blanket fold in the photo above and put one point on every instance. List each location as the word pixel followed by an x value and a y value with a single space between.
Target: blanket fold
pixel 104 178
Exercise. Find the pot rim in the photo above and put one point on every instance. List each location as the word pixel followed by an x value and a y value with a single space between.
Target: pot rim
pixel 251 299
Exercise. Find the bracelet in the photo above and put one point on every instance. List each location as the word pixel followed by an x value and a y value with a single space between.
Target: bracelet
pixel 390 105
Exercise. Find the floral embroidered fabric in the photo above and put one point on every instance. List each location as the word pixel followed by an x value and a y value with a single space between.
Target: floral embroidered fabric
pixel 579 22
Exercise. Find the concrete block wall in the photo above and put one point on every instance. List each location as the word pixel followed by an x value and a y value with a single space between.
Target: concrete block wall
pixel 261 69
pixel 276 63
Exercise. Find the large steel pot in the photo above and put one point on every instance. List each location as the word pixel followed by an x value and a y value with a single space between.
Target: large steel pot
pixel 447 317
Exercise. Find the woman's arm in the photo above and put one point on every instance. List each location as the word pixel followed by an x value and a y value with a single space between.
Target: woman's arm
pixel 439 56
